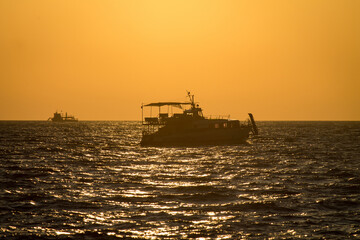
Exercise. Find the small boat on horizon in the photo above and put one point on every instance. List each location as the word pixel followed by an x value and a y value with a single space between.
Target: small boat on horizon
pixel 60 117
pixel 191 128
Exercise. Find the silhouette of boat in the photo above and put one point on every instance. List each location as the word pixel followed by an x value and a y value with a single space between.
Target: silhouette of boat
pixel 60 117
pixel 191 128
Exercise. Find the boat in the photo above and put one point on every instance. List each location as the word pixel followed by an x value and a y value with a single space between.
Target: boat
pixel 191 127
pixel 60 117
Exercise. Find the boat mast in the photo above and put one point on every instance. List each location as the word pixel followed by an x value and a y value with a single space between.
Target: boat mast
pixel 191 97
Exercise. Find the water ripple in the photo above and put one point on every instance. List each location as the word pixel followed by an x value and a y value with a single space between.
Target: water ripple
pixel 92 180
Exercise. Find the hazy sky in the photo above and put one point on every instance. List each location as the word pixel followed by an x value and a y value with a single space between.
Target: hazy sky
pixel 99 60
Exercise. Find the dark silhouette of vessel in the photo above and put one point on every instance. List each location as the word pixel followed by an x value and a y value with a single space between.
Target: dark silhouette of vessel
pixel 60 117
pixel 191 128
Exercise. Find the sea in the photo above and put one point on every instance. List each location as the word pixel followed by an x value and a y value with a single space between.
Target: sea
pixel 92 180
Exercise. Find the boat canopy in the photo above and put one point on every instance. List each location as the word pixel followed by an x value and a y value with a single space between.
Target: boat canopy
pixel 160 104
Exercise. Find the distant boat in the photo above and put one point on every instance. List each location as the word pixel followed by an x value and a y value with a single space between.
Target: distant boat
pixel 60 117
pixel 191 127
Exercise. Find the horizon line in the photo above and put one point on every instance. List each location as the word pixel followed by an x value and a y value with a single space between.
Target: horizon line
pixel 127 120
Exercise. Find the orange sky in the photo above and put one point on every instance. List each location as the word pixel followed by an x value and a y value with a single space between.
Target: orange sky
pixel 99 60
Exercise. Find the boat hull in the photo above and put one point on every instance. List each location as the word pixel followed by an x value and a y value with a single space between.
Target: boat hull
pixel 198 137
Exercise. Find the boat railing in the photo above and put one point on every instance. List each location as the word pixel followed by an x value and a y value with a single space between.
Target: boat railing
pixel 162 118
pixel 218 117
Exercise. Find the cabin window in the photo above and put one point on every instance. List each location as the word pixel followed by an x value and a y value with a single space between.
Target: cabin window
pixel 225 125
pixel 217 125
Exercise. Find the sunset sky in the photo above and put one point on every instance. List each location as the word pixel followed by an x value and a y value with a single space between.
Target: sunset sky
pixel 100 60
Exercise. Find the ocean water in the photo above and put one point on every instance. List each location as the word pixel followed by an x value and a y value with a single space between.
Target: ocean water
pixel 92 180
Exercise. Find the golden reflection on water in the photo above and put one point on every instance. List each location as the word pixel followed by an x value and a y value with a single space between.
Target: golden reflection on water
pixel 74 185
pixel 140 210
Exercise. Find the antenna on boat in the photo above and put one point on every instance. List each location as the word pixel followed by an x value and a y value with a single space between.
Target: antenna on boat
pixel 191 97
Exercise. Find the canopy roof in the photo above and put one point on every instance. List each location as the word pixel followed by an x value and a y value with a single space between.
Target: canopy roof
pixel 159 104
